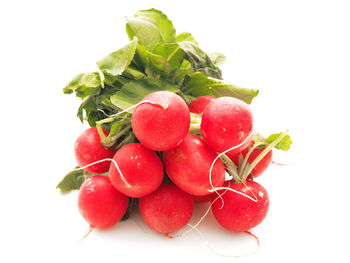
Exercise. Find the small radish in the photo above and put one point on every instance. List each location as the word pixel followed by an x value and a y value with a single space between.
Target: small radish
pixel 88 149
pixel 100 203
pixel 141 168
pixel 261 165
pixel 166 210
pixel 238 213
pixel 163 123
pixel 227 122
pixel 188 166
pixel 244 203
pixel 199 104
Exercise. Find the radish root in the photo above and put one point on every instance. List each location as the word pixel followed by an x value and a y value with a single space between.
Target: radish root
pixel 105 160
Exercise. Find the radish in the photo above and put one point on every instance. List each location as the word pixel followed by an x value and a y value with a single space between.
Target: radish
pixel 238 213
pixel 89 149
pixel 100 203
pixel 162 124
pixel 261 165
pixel 203 198
pixel 141 170
pixel 244 203
pixel 166 210
pixel 188 166
pixel 199 104
pixel 227 122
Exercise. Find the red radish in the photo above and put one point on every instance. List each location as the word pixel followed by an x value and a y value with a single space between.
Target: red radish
pixel 198 105
pixel 166 210
pixel 239 213
pixel 188 166
pixel 203 198
pixel 88 149
pixel 100 203
pixel 141 168
pixel 261 166
pixel 162 124
pixel 227 122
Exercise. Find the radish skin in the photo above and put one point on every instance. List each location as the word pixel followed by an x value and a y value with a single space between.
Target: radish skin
pixel 238 213
pixel 227 122
pixel 89 149
pixel 199 104
pixel 100 204
pixel 188 166
pixel 163 124
pixel 166 210
pixel 141 168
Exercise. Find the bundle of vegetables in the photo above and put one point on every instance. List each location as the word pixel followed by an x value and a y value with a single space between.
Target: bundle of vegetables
pixel 164 131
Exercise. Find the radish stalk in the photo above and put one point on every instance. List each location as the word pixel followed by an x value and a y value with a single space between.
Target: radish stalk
pixel 243 165
pixel 230 167
pixel 262 155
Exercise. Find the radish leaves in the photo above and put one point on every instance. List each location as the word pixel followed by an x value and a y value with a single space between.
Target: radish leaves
pixel 152 27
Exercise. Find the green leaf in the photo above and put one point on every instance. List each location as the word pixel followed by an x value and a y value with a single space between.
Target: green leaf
pixel 132 73
pixel 114 81
pixel 73 180
pixel 96 107
pixel 200 60
pixel 257 138
pixel 185 36
pixel 172 54
pixel 149 61
pixel 198 84
pixel 84 85
pixel 184 70
pixel 134 91
pixel 217 58
pixel 283 145
pixel 151 27
pixel 116 62
pixel 165 59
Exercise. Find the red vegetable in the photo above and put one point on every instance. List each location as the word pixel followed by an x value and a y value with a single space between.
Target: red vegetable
pixel 199 104
pixel 203 198
pixel 227 122
pixel 88 149
pixel 163 124
pixel 188 166
pixel 240 213
pixel 100 203
pixel 141 168
pixel 166 210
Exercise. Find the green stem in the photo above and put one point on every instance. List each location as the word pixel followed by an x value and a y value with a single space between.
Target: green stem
pixel 112 140
pixel 245 161
pixel 262 155
pixel 195 128
pixel 109 141
pixel 101 133
pixel 196 120
pixel 129 139
pixel 231 167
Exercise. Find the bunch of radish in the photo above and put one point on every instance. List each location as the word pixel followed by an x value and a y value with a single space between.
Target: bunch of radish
pixel 167 133
pixel 161 122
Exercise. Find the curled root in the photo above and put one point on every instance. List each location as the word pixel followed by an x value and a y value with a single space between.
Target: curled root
pixel 105 160
pixel 217 157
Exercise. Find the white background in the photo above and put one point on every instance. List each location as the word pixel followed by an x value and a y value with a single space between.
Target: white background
pixel 295 52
